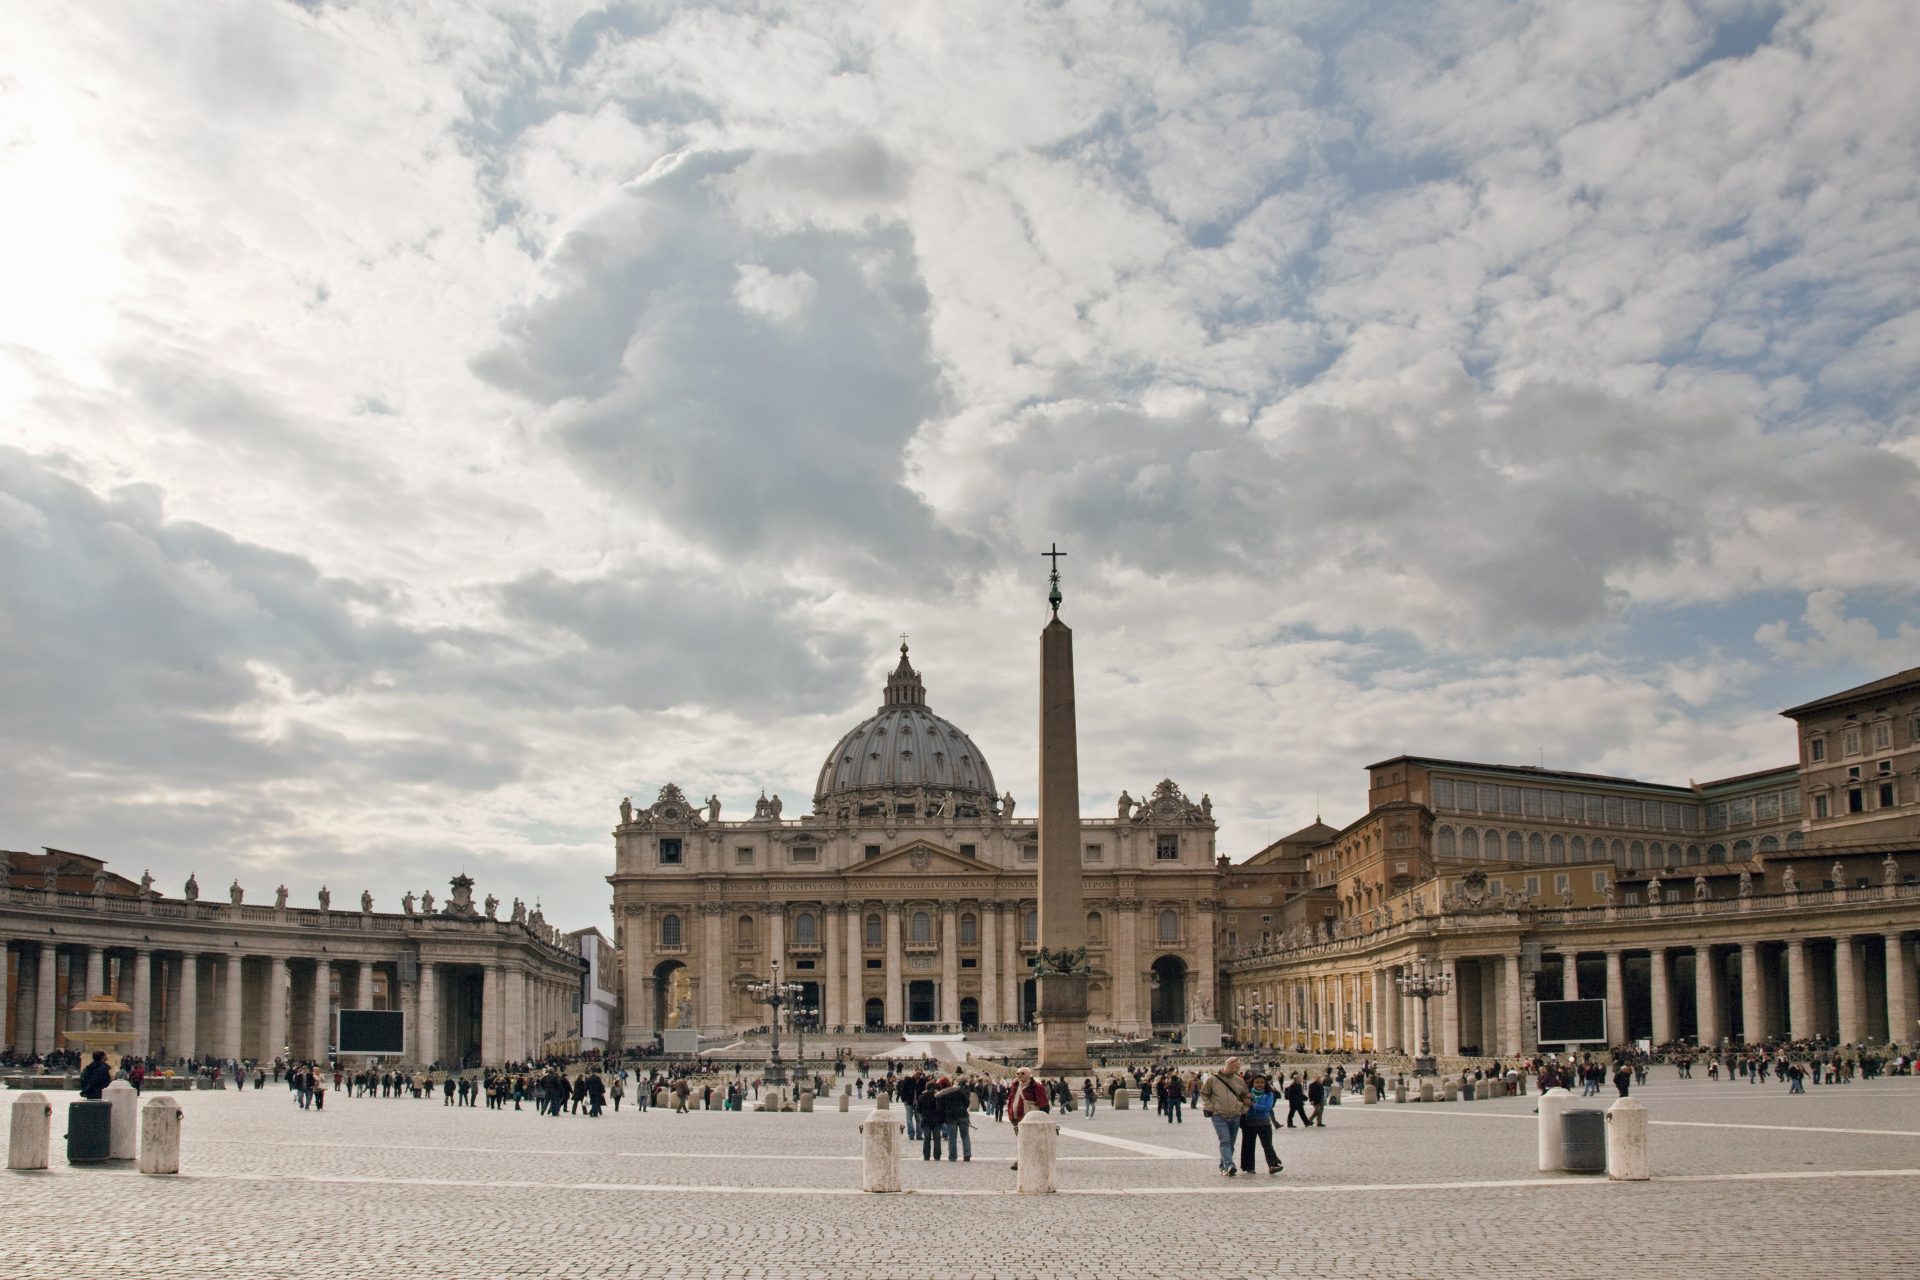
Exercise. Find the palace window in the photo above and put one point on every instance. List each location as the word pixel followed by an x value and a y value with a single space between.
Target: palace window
pixel 1445 844
pixel 806 930
pixel 968 851
pixel 1536 848
pixel 743 856
pixel 805 853
pixel 1514 847
pixel 743 931
pixel 1469 843
pixel 1533 886
pixel 1169 926
pixel 1883 735
pixel 1740 812
pixel 1820 809
pixel 1856 800
pixel 1166 848
pixel 1579 848
pixel 1850 742
pixel 1095 853
pixel 873 932
pixel 969 930
pixel 1816 749
pixel 1557 849
pixel 1443 793
pixel 1599 882
pixel 670 851
pixel 871 852
pixel 922 927
pixel 670 931
pixel 1096 927
pixel 1030 925
pixel 1636 813
pixel 1886 795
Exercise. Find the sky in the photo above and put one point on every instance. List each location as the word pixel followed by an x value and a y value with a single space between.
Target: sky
pixel 424 423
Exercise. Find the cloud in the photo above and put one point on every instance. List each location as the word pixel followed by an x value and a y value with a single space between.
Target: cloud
pixel 1826 635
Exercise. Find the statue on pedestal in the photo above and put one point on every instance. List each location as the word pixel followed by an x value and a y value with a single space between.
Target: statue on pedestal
pixel 50 877
pixel 146 882
pixel 366 901
pixel 519 911
pixel 1889 871
pixel 1700 891
pixel 326 899
pixel 406 902
pixel 1006 806
pixel 493 907
pixel 1746 883
pixel 1839 876
pixel 280 898
pixel 426 902
pixel 773 807
pixel 713 808
pixel 1126 806
pixel 193 888
pixel 626 810
pixel 1607 891
pixel 1790 880
pixel 235 893
pixel 100 881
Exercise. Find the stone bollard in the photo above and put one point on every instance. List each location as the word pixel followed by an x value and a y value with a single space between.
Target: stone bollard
pixel 806 1101
pixel 1037 1144
pixel 1467 1091
pixel 1120 1099
pixel 1426 1088
pixel 1552 1103
pixel 1627 1142
pixel 1372 1094
pixel 844 1100
pixel 1400 1089
pixel 31 1131
pixel 125 1126
pixel 1451 1093
pixel 880 1151
pixel 884 1100
pixel 160 1136
pixel 1333 1094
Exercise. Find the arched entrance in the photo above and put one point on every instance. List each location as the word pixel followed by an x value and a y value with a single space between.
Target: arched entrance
pixel 672 996
pixel 876 1014
pixel 969 1014
pixel 1170 992
pixel 920 1000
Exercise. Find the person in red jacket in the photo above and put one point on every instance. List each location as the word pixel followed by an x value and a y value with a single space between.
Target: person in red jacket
pixel 1028 1095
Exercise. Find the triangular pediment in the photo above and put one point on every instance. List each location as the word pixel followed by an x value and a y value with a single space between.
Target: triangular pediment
pixel 921 858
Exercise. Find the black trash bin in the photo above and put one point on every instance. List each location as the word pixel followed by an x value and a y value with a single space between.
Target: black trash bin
pixel 1583 1140
pixel 89 1131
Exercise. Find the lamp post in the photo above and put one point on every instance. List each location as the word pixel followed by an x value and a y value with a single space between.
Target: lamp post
pixel 1256 1015
pixel 774 993
pixel 1422 983
pixel 802 1014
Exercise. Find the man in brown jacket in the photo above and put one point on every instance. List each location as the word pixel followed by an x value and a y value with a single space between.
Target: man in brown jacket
pixel 1224 1098
pixel 1028 1095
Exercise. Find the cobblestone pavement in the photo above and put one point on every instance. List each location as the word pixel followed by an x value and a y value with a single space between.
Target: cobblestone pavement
pixel 1746 1178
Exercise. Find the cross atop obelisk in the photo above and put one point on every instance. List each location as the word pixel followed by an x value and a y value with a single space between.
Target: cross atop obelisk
pixel 1060 968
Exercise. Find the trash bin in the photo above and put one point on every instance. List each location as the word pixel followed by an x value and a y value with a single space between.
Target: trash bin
pixel 1583 1140
pixel 89 1131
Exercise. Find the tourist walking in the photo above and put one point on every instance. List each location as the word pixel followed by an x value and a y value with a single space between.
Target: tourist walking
pixel 1257 1126
pixel 1223 1100
pixel 1296 1096
pixel 1027 1095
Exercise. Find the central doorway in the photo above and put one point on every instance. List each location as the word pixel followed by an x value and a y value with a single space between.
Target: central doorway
pixel 920 1000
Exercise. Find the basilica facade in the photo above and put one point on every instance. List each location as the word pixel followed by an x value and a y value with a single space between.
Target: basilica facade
pixel 906 897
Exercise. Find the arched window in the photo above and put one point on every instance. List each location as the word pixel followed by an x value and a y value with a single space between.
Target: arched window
pixel 1030 925
pixel 1096 927
pixel 1469 843
pixel 1446 842
pixel 1579 848
pixel 806 930
pixel 922 927
pixel 1693 853
pixel 1716 853
pixel 1169 926
pixel 669 931
pixel 1796 839
pixel 1537 847
pixel 1492 843
pixel 1513 847
pixel 1619 851
pixel 969 930
pixel 1769 844
pixel 1742 850
pixel 873 931
pixel 1557 849
pixel 743 930
pixel 1636 854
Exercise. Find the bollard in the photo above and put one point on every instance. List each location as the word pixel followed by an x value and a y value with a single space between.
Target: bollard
pixel 844 1100
pixel 1451 1093
pixel 1627 1142
pixel 1372 1094
pixel 1120 1099
pixel 30 1133
pixel 880 1151
pixel 806 1100
pixel 1466 1091
pixel 1333 1094
pixel 1400 1089
pixel 1426 1088
pixel 885 1102
pixel 1552 1103
pixel 1037 1145
pixel 160 1136
pixel 125 1125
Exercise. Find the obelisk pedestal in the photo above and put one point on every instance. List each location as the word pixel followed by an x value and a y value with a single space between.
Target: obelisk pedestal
pixel 1060 968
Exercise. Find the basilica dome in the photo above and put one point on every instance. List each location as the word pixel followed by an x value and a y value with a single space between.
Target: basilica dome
pixel 904 761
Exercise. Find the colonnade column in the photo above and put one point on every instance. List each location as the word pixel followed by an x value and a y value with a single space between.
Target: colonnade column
pixel 278 976
pixel 1510 1011
pixel 1126 980
pixel 1846 990
pixel 833 1003
pixel 1661 981
pixel 637 974
pixel 713 967
pixel 1450 1010
pixel 1706 998
pixel 950 962
pixel 1010 936
pixel 187 1046
pixel 990 966
pixel 892 993
pixel 777 937
pixel 1569 975
pixel 1753 1000
pixel 490 1015
pixel 234 986
pixel 142 1003
pixel 43 1012
pixel 1799 992
pixel 427 1026
pixel 1616 999
pixel 1901 1005
pixel 322 998
pixel 96 973
pixel 856 964
pixel 363 986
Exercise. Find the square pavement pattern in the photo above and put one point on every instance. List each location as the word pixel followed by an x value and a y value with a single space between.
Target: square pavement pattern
pixel 1746 1179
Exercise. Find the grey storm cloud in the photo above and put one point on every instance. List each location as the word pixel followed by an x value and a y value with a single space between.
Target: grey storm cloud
pixel 751 384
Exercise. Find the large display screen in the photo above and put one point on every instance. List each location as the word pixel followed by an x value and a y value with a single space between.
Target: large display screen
pixel 1573 1022
pixel 372 1031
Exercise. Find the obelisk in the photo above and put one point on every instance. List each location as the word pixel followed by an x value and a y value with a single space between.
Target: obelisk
pixel 1060 968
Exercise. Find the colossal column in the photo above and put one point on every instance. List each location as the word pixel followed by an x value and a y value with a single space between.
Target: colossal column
pixel 1450 1010
pixel 96 973
pixel 278 1042
pixel 1569 975
pixel 990 964
pixel 892 993
pixel 1616 999
pixel 230 1032
pixel 637 969
pixel 1901 1006
pixel 322 1030
pixel 44 998
pixel 427 1026
pixel 1753 997
pixel 1511 1016
pixel 713 966
pixel 833 1004
pixel 1706 998
pixel 1662 996
pixel 950 962
pixel 1061 967
pixel 1799 992
pixel 856 964
pixel 490 1019
pixel 1125 963
pixel 187 1045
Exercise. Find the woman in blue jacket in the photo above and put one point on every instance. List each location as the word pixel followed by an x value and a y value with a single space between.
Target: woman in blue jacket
pixel 1257 1126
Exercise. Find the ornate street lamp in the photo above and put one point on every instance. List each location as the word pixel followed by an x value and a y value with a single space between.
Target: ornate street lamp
pixel 1256 1015
pixel 1422 983
pixel 774 993
pixel 802 1015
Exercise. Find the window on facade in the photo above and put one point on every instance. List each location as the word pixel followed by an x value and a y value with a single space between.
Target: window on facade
pixel 1886 795
pixel 1536 847
pixel 1614 810
pixel 1618 851
pixel 806 930
pixel 1913 731
pixel 805 853
pixel 1030 925
pixel 969 851
pixel 874 938
pixel 969 930
pixel 1095 853
pixel 670 851
pixel 1820 806
pixel 1535 802
pixel 1443 793
pixel 1029 853
pixel 1850 742
pixel 1465 796
pixel 1557 849
pixel 1883 735
pixel 1856 800
pixel 669 931
pixel 1514 846
pixel 1769 844
pixel 1885 766
pixel 1510 800
pixel 1599 881
pixel 1740 812
pixel 1469 843
pixel 1576 807
pixel 922 927
pixel 1816 749
pixel 743 930
pixel 1636 813
pixel 1533 886
pixel 1444 842
pixel 870 852
pixel 1169 926
pixel 1166 848
pixel 1742 850
pixel 1579 848
pixel 1496 885
pixel 876 964
pixel 1096 927
pixel 743 856
pixel 1556 805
